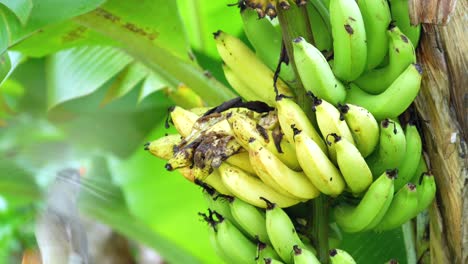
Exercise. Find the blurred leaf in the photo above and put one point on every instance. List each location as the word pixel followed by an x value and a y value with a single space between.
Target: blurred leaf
pixel 16 183
pixel 21 8
pixel 111 210
pixel 142 30
pixel 371 247
pixel 164 200
pixel 55 37
pixel 80 71
pixel 153 83
pixel 203 17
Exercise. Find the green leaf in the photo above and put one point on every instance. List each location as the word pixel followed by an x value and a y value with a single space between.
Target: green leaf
pixel 80 71
pixel 21 8
pixel 16 183
pixel 107 206
pixel 164 200
pixel 155 44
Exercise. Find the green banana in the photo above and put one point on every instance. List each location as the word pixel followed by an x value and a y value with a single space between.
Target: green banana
pixel 241 88
pixel 271 261
pixel 391 149
pixel 269 166
pixel 405 88
pixel 281 231
pixel 355 219
pixel 316 165
pixel 304 256
pixel 320 23
pixel 316 75
pixel 401 16
pixel 250 219
pixel 218 203
pixel 377 17
pixel 246 129
pixel 413 152
pixel 233 243
pixel 265 251
pixel 266 39
pixel 250 69
pixel 339 256
pixel 403 207
pixel 349 39
pixel 363 126
pixel 378 218
pixel 291 114
pixel 217 249
pixel 352 165
pixel 422 167
pixel 426 192
pixel 400 55
pixel 329 121
pixel 250 189
pixel 163 148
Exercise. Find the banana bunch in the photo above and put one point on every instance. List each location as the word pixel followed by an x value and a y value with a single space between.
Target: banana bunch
pixel 268 7
pixel 243 233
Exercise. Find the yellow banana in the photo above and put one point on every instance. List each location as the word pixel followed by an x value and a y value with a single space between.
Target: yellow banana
pixel 163 147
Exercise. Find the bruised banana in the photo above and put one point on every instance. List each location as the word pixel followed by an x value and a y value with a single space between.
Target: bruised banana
pixel 316 165
pixel 405 88
pixel 355 219
pixel 363 127
pixel 291 114
pixel 376 16
pixel 403 207
pixel 316 75
pixel 246 129
pixel 391 149
pixel 304 256
pixel 410 161
pixel 250 69
pixel 400 55
pixel 352 165
pixel 269 166
pixel 339 256
pixel 281 231
pixel 329 121
pixel 250 189
pixel 349 39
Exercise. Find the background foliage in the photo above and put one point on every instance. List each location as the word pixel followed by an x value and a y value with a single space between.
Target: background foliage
pixel 82 84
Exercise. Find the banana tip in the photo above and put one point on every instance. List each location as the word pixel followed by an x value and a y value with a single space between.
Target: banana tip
pixel 418 68
pixel 217 33
pixel 297 250
pixel 332 252
pixel 298 39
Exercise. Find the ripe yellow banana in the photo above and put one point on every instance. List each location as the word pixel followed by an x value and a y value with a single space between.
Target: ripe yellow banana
pixel 163 148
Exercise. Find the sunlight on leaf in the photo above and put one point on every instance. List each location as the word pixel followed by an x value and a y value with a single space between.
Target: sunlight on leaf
pixel 80 71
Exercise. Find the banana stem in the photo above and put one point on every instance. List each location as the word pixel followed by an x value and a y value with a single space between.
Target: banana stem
pixel 294 23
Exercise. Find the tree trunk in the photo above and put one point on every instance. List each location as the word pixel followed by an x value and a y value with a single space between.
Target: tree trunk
pixel 442 104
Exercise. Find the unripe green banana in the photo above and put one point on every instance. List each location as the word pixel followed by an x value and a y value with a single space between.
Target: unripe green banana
pixel 281 231
pixel 319 17
pixel 266 251
pixel 267 41
pixel 316 75
pixel 291 114
pixel 410 162
pixel 250 189
pixel 400 55
pixel 329 121
pixel 218 203
pixel 352 164
pixel 271 261
pixel 405 88
pixel 304 256
pixel 426 192
pixel 249 68
pixel 339 256
pixel 242 161
pixel 215 245
pixel 376 16
pixel 403 207
pixel 295 183
pixel 355 219
pixel 391 149
pixel 163 148
pixel 234 244
pixel 183 120
pixel 422 167
pixel 349 39
pixel 250 219
pixel 241 88
pixel 363 126
pixel 401 16
pixel 245 129
pixel 316 165
pixel 378 218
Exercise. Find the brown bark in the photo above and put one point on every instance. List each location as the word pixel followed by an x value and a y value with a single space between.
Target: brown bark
pixel 442 104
